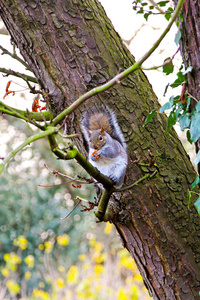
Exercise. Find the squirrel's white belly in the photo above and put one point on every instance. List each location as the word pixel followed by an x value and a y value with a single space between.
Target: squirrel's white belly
pixel 109 166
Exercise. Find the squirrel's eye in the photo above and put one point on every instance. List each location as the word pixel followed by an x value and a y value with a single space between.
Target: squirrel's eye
pixel 100 138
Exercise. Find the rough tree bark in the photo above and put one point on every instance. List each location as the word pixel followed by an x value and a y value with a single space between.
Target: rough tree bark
pixel 72 47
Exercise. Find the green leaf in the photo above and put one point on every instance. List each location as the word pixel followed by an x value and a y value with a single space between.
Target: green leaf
pixel 177 112
pixel 166 88
pixel 181 17
pixel 179 80
pixel 162 3
pixel 195 127
pixel 180 76
pixel 197 181
pixel 189 137
pixel 197 159
pixel 167 16
pixel 177 37
pixel 184 121
pixel 168 66
pixel 197 205
pixel 188 103
pixel 149 117
pixel 171 120
pixel 146 15
pixel 168 13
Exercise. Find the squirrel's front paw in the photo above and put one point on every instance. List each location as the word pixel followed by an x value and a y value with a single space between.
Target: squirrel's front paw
pixel 95 155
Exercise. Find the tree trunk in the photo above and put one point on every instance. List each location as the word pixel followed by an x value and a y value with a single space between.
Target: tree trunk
pixel 72 47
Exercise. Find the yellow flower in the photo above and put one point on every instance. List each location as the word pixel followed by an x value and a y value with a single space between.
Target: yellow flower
pixel 126 261
pixel 15 258
pixel 60 283
pixel 40 294
pixel 134 292
pixel 121 294
pixel 29 260
pixel 27 275
pixel 48 246
pixel 82 257
pixel 21 242
pixel 6 256
pixel 108 228
pixel 12 260
pixel 98 246
pixel 5 272
pixel 72 275
pixel 41 246
pixel 138 278
pixel 63 240
pixel 99 257
pixel 98 269
pixel 92 242
pixel 13 287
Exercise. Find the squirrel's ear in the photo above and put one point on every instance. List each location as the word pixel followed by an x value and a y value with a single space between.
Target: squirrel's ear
pixel 102 130
pixel 89 131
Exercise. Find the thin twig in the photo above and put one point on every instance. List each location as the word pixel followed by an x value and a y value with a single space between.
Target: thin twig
pixel 136 182
pixel 77 204
pixel 56 172
pixel 15 56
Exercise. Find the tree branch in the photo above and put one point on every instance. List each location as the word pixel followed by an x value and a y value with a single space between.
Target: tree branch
pixel 17 74
pixel 122 75
pixel 25 115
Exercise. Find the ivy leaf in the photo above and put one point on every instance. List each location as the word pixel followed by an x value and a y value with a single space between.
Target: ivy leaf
pixel 162 3
pixel 197 107
pixel 149 117
pixel 168 66
pixel 189 137
pixel 166 88
pixel 195 127
pixel 167 105
pixel 168 13
pixel 197 181
pixel 188 70
pixel 188 103
pixel 146 15
pixel 171 120
pixel 179 80
pixel 184 121
pixel 197 159
pixel 197 205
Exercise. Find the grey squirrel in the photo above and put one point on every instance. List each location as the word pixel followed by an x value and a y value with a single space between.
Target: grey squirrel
pixel 107 147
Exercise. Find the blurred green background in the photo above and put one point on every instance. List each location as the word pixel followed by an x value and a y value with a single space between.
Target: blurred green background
pixel 42 256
